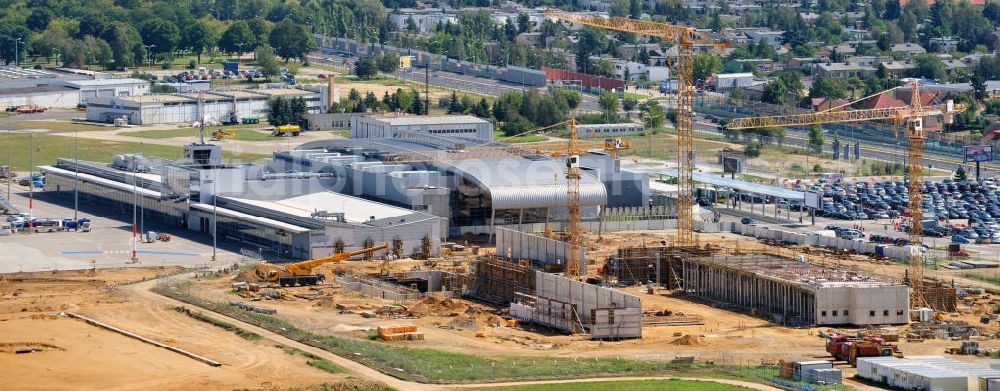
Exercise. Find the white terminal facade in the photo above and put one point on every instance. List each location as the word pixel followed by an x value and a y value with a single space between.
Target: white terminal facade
pixel 189 108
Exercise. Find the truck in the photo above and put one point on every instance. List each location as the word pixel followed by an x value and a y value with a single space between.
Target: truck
pixel 845 348
pixel 28 109
pixel 50 225
pixel 286 130
pixel 5 172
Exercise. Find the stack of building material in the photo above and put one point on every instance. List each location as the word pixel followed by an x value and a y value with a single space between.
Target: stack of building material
pixel 547 312
pixel 822 376
pixel 800 367
pixel 400 333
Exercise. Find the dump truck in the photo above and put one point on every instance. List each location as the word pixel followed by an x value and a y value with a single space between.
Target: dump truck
pixel 286 130
pixel 301 273
pixel 849 349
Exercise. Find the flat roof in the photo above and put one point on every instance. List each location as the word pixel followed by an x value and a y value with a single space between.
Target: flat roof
pixel 237 94
pixel 156 98
pixel 356 210
pixel 243 216
pixel 284 91
pixel 429 120
pixel 750 187
pixel 34 90
pixel 789 270
pixel 105 82
pixel 126 187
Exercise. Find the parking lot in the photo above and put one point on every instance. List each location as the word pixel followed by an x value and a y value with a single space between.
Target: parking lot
pixel 109 243
pixel 962 212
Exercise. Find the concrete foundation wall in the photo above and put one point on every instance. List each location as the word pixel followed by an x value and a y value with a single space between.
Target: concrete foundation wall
pixel 522 245
pixel 863 305
pixel 584 296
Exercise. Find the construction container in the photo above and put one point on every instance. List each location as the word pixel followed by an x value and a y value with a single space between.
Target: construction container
pixel 989 384
pixel 786 369
pixel 909 375
pixel 823 376
pixel 800 367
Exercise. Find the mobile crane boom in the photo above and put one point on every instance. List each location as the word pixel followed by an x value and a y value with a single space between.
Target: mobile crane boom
pixel 301 273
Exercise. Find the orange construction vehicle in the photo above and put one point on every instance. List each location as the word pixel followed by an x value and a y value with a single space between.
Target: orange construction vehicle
pixel 30 109
pixel 848 349
pixel 301 273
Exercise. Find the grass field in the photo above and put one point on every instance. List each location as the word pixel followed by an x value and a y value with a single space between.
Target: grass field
pixel 245 134
pixel 634 385
pixel 49 147
pixel 63 126
pixel 431 365
pixel 345 133
pixel 531 138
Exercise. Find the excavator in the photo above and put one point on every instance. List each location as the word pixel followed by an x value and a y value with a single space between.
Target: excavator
pixel 301 273
pixel 222 134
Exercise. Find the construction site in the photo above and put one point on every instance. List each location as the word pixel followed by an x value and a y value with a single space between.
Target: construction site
pixel 422 254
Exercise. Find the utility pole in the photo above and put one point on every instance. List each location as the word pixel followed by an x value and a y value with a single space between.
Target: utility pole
pixel 135 201
pixel 10 161
pixel 76 175
pixel 31 181
pixel 215 217
pixel 427 89
pixel 16 41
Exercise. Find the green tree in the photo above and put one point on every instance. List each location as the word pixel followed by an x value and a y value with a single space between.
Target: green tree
pixel 9 32
pixel 482 109
pixel 267 61
pixel 198 37
pixel 653 116
pixel 609 104
pixel 126 44
pixel 366 67
pixel 291 39
pixel 816 138
pixel 929 66
pixel 775 92
pixel 825 87
pixel 388 62
pixel 39 19
pixel 162 34
pixel 237 38
pixel 960 174
pixel 261 30
pixel 978 85
pixel 706 64
pixel 752 149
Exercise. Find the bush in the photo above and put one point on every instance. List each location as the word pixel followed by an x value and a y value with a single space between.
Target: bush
pixel 166 65
pixel 191 64
pixel 752 150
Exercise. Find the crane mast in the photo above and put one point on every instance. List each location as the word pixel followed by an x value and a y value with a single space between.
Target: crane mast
pixel 686 38
pixel 913 115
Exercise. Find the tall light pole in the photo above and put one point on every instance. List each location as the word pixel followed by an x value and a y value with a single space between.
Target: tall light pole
pixel 31 181
pixel 215 217
pixel 16 41
pixel 10 161
pixel 135 201
pixel 76 175
pixel 149 53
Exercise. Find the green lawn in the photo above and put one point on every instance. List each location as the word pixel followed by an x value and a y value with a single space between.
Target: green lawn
pixel 49 147
pixel 245 134
pixel 633 385
pixel 530 138
pixel 345 133
pixel 63 126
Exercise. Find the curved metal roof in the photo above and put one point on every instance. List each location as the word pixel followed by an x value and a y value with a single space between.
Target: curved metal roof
pixel 518 182
pixel 750 187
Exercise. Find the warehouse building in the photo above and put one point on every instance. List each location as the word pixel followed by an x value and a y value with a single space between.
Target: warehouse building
pixel 215 106
pixel 608 130
pixel 473 195
pixel 393 125
pixel 796 292
pixel 280 216
pixel 62 87
pixel 932 373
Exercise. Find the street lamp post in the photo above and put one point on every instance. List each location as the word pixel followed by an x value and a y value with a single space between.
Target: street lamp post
pixel 149 53
pixel 16 41
pixel 76 175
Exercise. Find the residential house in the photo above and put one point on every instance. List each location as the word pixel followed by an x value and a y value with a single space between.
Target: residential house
pixel 765 65
pixel 824 104
pixel 774 38
pixel 841 70
pixel 425 20
pixel 632 51
pixel 898 68
pixel 907 49
pixel 973 59
pixel 902 98
pixel 944 44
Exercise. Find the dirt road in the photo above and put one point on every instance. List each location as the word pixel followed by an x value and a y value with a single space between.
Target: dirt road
pixel 142 293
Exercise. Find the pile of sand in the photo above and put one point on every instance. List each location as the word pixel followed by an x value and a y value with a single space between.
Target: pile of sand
pixel 474 322
pixel 689 340
pixel 255 274
pixel 435 306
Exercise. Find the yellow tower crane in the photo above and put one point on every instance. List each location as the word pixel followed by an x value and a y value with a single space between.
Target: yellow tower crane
pixel 686 38
pixel 570 149
pixel 914 115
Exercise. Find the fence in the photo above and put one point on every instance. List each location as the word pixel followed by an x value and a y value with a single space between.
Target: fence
pixel 888 251
pixel 517 75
